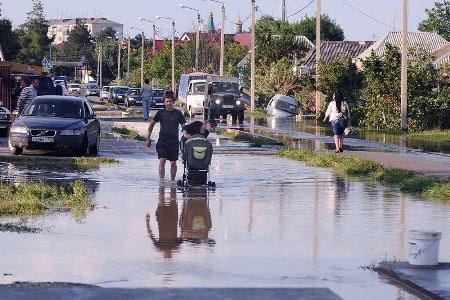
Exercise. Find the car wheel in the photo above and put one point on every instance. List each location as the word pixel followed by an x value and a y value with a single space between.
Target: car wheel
pixel 13 149
pixel 234 117
pixel 94 148
pixel 3 132
pixel 191 113
pixel 81 151
pixel 240 116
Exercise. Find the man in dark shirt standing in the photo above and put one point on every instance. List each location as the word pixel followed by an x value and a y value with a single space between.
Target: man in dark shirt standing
pixel 167 145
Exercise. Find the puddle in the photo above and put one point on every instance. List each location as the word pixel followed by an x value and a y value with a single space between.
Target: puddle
pixel 270 222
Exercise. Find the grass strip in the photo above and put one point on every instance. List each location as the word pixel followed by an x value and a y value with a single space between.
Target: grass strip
pixel 129 133
pixel 354 166
pixel 38 198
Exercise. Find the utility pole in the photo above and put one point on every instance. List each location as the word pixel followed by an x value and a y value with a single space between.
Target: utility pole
pixel 252 61
pixel 318 57
pixel 404 72
pixel 118 62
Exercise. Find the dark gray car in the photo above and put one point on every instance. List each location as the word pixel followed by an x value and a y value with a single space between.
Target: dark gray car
pixel 56 123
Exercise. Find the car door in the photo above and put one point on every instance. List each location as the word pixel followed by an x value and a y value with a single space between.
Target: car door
pixel 91 124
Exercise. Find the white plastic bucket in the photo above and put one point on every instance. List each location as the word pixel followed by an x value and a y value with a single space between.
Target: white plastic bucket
pixel 424 247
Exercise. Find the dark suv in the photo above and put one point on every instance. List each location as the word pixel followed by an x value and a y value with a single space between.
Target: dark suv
pixel 46 86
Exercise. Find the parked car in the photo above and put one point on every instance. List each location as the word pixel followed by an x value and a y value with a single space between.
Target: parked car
pixel 104 93
pixel 74 88
pixel 56 123
pixel 5 120
pixel 60 89
pixel 133 97
pixel 157 100
pixel 92 89
pixel 117 94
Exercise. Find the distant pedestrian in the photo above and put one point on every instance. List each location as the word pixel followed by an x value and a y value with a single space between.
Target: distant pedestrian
pixel 146 93
pixel 168 90
pixel 28 93
pixel 338 115
pixel 167 145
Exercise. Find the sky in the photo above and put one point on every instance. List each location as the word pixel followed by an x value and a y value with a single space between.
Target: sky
pixel 361 20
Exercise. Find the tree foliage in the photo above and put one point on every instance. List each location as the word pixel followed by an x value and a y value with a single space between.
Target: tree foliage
pixel 340 74
pixel 381 92
pixel 33 40
pixel 9 41
pixel 438 20
pixel 277 78
pixel 329 29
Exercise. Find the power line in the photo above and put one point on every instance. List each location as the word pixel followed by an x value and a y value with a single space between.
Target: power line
pixel 361 12
pixel 301 9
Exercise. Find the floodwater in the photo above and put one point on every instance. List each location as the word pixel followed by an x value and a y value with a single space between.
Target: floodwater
pixel 299 132
pixel 271 222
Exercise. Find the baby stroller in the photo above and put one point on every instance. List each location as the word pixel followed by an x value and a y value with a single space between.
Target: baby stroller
pixel 196 153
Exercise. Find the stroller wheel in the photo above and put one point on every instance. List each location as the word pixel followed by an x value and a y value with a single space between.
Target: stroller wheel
pixel 179 182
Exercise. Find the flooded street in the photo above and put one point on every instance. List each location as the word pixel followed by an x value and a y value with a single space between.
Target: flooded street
pixel 271 222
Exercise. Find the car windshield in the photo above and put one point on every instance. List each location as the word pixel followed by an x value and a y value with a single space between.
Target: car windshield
pixel 63 109
pixel 74 85
pixel 225 87
pixel 121 90
pixel 134 92
pixel 199 89
pixel 158 93
pixel 92 87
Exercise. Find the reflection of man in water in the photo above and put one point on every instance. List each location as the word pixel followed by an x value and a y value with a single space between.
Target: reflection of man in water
pixel 167 218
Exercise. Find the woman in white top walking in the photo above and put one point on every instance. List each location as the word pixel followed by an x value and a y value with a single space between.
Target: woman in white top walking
pixel 338 115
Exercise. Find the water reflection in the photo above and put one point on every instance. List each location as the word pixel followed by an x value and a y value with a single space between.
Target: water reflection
pixel 194 220
pixel 295 131
pixel 338 194
pixel 167 218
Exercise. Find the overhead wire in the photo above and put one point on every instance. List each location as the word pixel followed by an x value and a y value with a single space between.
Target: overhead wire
pixel 369 16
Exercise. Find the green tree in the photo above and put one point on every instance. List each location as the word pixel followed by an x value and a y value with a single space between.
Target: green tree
pixel 381 92
pixel 329 30
pixel 277 78
pixel 438 20
pixel 340 74
pixel 234 53
pixel 33 40
pixel 79 44
pixel 9 41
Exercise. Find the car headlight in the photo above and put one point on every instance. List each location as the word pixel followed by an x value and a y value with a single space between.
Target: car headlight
pixel 217 101
pixel 19 129
pixel 238 102
pixel 71 132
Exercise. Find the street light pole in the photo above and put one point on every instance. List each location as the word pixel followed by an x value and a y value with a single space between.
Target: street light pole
pixel 142 53
pixel 101 64
pixel 154 32
pixel 197 37
pixel 222 37
pixel 173 49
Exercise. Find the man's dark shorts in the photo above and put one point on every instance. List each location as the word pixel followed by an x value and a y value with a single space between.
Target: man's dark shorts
pixel 168 151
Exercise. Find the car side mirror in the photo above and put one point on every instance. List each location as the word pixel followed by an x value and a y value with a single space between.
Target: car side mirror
pixel 91 116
